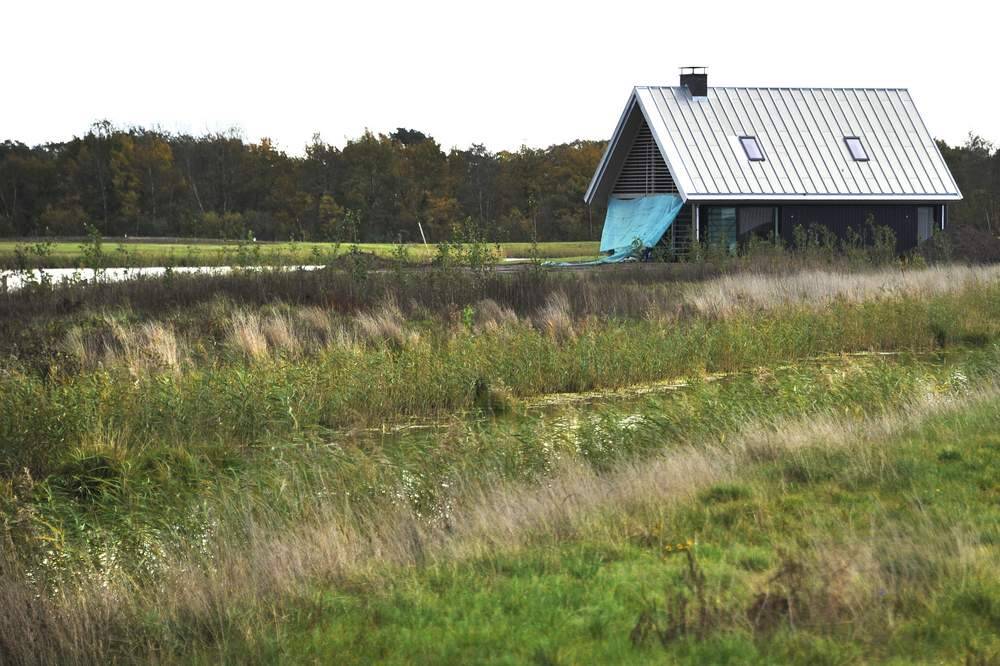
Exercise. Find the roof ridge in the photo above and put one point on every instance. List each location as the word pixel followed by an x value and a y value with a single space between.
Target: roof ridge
pixel 785 87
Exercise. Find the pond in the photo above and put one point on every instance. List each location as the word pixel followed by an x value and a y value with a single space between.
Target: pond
pixel 12 279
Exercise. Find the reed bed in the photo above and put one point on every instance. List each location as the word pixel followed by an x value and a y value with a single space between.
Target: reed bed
pixel 274 373
pixel 734 293
pixel 558 305
pixel 226 589
pixel 193 477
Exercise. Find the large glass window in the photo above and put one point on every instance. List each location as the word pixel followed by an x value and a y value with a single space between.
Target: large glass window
pixel 720 227
pixel 856 148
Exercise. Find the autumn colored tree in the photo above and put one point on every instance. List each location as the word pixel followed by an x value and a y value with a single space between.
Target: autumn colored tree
pixel 378 187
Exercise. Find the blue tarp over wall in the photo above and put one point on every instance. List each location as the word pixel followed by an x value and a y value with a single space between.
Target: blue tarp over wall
pixel 632 225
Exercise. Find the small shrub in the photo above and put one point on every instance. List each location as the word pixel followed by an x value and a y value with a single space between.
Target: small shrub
pixel 949 454
pixel 92 250
pixel 725 492
pixel 89 474
pixel 359 265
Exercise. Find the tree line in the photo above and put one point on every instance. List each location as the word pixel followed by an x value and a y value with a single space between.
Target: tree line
pixel 976 167
pixel 378 187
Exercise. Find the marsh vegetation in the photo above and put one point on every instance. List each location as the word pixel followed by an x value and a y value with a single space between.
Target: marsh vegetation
pixel 695 462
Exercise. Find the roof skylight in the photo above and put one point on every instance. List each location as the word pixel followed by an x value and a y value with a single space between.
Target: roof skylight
pixel 752 148
pixel 856 148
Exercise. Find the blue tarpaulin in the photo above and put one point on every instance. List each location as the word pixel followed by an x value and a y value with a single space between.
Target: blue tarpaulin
pixel 632 225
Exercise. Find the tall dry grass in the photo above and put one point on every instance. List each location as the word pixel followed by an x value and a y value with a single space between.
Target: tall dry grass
pixel 555 318
pixel 490 316
pixel 559 308
pixel 732 293
pixel 385 323
pixel 281 331
pixel 142 348
pixel 247 336
pixel 292 332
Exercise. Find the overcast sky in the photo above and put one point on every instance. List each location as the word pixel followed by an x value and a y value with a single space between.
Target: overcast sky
pixel 500 73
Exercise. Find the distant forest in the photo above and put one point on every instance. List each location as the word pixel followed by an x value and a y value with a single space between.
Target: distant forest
pixel 138 182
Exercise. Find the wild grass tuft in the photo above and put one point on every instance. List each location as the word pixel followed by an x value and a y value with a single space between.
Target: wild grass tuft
pixel 247 336
pixel 491 316
pixel 384 324
pixel 556 318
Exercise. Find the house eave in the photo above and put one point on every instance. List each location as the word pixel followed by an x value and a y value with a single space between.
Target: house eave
pixel 827 198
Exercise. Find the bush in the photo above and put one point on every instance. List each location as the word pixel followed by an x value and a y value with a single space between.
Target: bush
pixel 964 243
pixel 63 220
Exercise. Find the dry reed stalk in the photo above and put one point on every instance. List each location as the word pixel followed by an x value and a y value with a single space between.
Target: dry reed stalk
pixel 556 317
pixel 245 334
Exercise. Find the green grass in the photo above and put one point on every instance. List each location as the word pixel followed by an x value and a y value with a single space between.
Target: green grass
pixel 113 512
pixel 156 473
pixel 181 253
pixel 578 600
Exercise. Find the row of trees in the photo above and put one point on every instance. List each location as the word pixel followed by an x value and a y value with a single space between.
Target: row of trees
pixel 377 188
pixel 976 167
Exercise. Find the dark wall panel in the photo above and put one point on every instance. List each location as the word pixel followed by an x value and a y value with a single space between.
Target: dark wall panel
pixel 902 219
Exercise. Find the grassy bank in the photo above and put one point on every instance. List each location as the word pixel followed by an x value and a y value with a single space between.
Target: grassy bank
pixel 829 542
pixel 43 253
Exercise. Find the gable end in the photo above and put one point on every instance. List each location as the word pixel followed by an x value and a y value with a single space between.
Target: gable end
pixel 644 171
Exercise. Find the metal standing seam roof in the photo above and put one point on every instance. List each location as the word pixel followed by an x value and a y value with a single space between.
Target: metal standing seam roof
pixel 801 132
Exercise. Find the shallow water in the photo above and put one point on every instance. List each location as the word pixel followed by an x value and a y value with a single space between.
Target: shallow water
pixel 12 280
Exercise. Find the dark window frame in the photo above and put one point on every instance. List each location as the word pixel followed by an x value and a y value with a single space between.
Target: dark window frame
pixel 760 151
pixel 861 147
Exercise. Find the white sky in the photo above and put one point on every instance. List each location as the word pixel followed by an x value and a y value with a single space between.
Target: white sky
pixel 501 73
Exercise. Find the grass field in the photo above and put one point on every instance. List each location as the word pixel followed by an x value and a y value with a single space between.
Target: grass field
pixel 69 254
pixel 634 466
pixel 847 541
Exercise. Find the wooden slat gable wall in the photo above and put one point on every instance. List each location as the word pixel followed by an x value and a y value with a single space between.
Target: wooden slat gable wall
pixel 644 171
